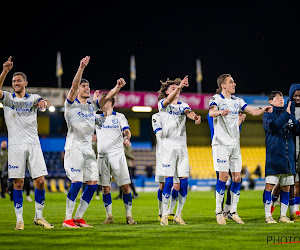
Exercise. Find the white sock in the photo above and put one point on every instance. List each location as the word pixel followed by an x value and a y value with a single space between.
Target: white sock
pixel 19 214
pixel 297 207
pixel 108 210
pixel 39 210
pixel 234 201
pixel 227 208
pixel 172 205
pixel 181 201
pixel 283 209
pixel 128 208
pixel 165 204
pixel 292 208
pixel 267 210
pixel 219 200
pixel 83 205
pixel 70 205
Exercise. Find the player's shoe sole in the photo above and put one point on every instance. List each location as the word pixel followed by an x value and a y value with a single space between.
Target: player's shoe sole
pixel 270 220
pixel 285 219
pixel 42 222
pixel 108 220
pixel 70 224
pixel 81 223
pixel 164 220
pixel 179 220
pixel 220 218
pixel 19 225
pixel 130 220
pixel 234 216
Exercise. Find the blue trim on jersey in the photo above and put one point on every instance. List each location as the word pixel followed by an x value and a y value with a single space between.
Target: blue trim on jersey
pixel 244 106
pixel 2 96
pixel 14 95
pixel 77 100
pixel 158 129
pixel 211 126
pixel 179 102
pixel 213 103
pixel 187 108
pixel 69 101
pixel 89 102
pixel 125 128
pixel 39 100
pixel 222 96
pixel 161 102
pixel 114 113
pixel 98 104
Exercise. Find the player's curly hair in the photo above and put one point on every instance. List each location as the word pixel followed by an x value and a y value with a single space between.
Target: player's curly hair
pixel 220 81
pixel 165 85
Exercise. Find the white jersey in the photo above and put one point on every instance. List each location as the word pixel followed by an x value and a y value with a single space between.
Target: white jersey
pixel 21 118
pixel 109 130
pixel 226 128
pixel 173 123
pixel 80 120
pixel 157 129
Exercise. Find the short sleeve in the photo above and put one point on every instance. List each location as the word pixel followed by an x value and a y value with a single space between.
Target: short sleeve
pixel 7 99
pixel 160 105
pixel 96 104
pixel 156 123
pixel 68 103
pixel 123 122
pixel 214 101
pixel 242 104
pixel 36 98
pixel 185 106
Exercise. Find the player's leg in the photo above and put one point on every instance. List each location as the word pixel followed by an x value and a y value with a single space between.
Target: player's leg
pixel 275 195
pixel 286 181
pixel 292 206
pixel 18 202
pixel 174 198
pixel 107 201
pixel 91 177
pixel 267 197
pixel 161 181
pixel 227 205
pixel 294 200
pixel 297 195
pixel 127 199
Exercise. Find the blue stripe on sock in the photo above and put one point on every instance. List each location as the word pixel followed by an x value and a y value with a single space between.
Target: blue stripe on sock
pixel 107 199
pixel 236 187
pixel 274 198
pixel 168 186
pixel 127 198
pixel 174 194
pixel 220 187
pixel 284 197
pixel 159 195
pixel 18 198
pixel 297 200
pixel 39 196
pixel 183 187
pixel 292 201
pixel 74 190
pixel 89 192
pixel 267 197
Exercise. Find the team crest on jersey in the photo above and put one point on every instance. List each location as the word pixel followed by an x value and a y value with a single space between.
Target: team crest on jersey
pixel 236 106
pixel 115 121
pixel 91 108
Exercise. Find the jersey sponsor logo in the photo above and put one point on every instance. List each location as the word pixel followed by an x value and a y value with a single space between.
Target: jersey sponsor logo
pixel 221 161
pixel 86 115
pixel 109 126
pixel 179 112
pixel 13 167
pixel 115 121
pixel 166 165
pixel 75 170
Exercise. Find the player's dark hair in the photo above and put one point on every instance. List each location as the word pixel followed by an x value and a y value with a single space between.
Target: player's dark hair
pixel 220 80
pixel 21 74
pixel 273 94
pixel 84 80
pixel 113 100
pixel 165 85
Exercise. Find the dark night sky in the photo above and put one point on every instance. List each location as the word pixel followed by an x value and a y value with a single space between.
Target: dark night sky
pixel 257 43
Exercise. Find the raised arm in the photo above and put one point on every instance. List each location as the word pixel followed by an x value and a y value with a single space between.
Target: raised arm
pixel 170 98
pixel 7 66
pixel 76 81
pixel 103 99
pixel 260 111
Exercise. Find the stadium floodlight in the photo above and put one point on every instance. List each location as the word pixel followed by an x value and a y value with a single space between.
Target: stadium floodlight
pixel 51 108
pixel 141 109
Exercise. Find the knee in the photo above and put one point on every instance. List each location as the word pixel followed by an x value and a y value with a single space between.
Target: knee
pixel 285 189
pixel 269 187
pixel 40 182
pixel 106 189
pixel 18 184
pixel 176 186
pixel 237 178
pixel 224 177
pixel 126 189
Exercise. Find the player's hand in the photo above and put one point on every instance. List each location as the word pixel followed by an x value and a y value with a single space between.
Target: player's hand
pixel 288 109
pixel 126 140
pixel 121 83
pixel 197 119
pixel 225 112
pixel 42 104
pixel 96 95
pixel 7 66
pixel 84 62
pixel 268 109
pixel 242 117
pixel 184 82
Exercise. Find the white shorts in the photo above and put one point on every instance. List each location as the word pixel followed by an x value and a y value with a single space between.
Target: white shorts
pixel 113 165
pixel 282 179
pixel 30 155
pixel 227 158
pixel 175 161
pixel 159 178
pixel 81 165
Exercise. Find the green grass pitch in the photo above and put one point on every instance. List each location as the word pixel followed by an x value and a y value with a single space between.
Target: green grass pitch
pixel 202 231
